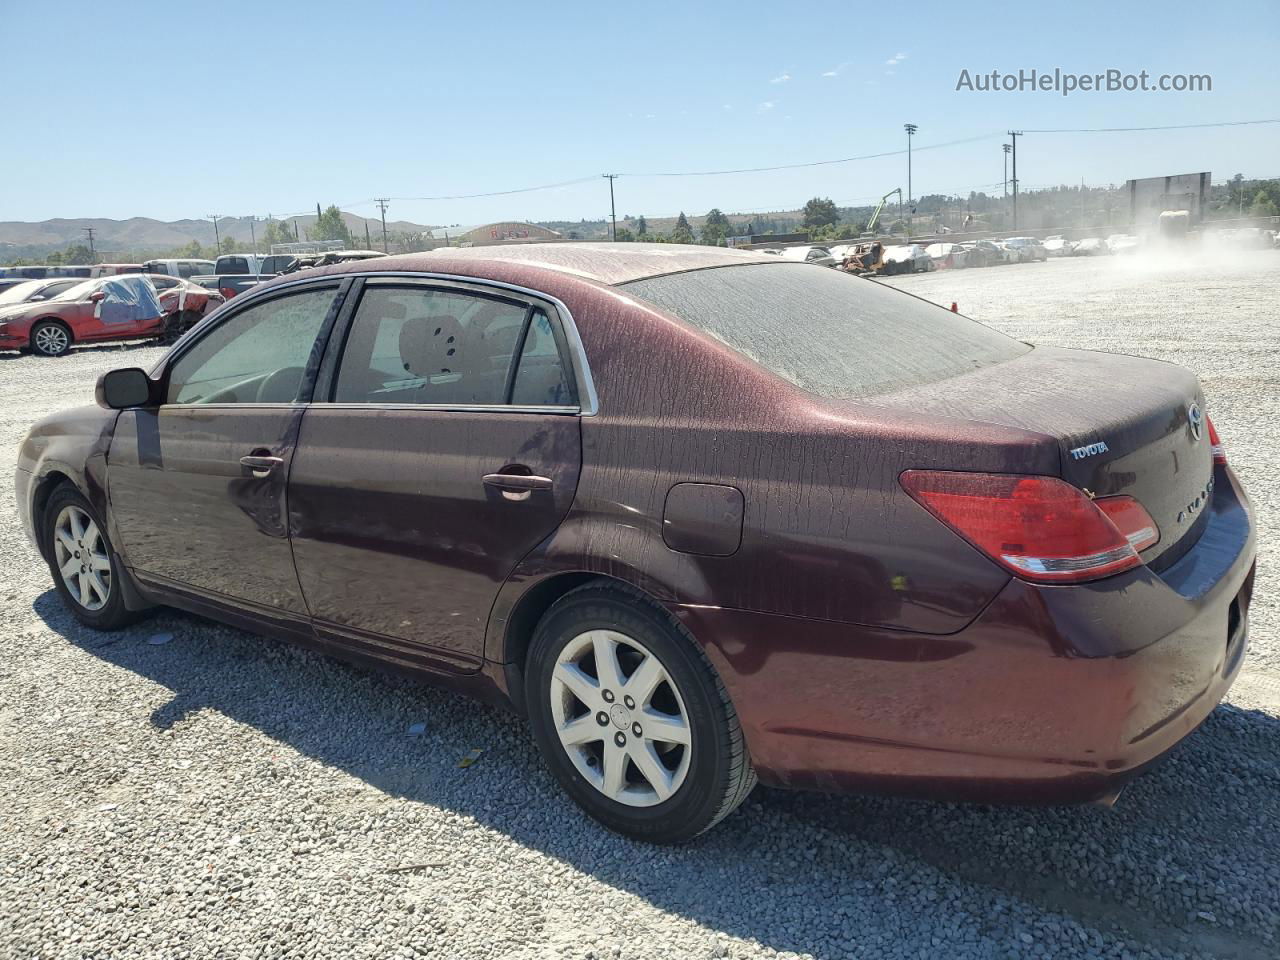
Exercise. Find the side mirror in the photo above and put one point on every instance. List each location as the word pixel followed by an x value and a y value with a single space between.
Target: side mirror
pixel 97 296
pixel 122 389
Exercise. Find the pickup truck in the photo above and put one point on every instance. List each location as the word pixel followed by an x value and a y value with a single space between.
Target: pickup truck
pixel 236 272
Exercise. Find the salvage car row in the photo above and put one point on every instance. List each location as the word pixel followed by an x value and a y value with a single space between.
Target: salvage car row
pixel 160 298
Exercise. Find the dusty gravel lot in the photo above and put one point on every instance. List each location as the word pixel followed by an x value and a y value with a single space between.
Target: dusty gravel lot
pixel 221 795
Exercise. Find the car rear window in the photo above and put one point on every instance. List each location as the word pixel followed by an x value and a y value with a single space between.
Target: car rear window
pixel 825 331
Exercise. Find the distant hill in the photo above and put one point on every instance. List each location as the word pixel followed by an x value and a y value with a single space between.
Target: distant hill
pixel 144 235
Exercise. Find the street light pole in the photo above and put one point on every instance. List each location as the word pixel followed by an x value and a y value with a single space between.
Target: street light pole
pixel 911 130
pixel 1014 135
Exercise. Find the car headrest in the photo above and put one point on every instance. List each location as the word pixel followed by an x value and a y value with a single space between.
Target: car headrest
pixel 429 345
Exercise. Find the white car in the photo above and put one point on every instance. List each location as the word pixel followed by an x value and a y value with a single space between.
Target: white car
pixel 947 256
pixel 907 258
pixel 819 255
pixel 1057 246
pixel 1026 249
pixel 1090 247
pixel 1122 243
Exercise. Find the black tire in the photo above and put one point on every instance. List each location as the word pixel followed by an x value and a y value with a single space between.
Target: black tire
pixel 112 614
pixel 719 774
pixel 55 343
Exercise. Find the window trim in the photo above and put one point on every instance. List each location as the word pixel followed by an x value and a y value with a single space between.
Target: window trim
pixel 568 342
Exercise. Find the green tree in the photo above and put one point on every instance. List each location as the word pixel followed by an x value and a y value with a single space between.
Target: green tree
pixel 330 226
pixel 715 228
pixel 1263 206
pixel 77 253
pixel 192 251
pixel 642 226
pixel 682 233
pixel 819 212
pixel 625 235
pixel 54 259
pixel 228 245
pixel 276 231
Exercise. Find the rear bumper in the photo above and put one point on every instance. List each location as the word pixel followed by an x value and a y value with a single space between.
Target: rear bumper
pixel 1051 695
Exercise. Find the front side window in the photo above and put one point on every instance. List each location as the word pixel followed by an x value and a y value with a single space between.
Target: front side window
pixel 257 355
pixel 426 346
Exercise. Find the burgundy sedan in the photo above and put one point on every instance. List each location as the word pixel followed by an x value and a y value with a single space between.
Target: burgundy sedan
pixel 701 515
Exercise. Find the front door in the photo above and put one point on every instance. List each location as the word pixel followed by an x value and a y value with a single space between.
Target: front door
pixel 197 485
pixel 446 448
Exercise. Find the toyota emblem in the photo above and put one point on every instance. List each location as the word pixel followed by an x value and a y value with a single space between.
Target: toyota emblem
pixel 1195 420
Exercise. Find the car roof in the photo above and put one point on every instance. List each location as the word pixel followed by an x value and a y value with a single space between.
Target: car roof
pixel 608 263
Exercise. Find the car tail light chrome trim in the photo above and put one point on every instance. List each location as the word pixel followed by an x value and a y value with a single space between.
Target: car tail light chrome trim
pixel 1040 528
pixel 1216 446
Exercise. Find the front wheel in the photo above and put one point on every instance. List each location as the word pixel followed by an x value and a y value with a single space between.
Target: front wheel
pixel 84 567
pixel 50 338
pixel 632 719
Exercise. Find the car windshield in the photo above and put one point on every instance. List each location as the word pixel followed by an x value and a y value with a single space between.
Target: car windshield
pixel 18 293
pixel 827 332
pixel 78 292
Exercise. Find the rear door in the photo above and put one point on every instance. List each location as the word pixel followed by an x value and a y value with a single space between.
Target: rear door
pixel 197 484
pixel 442 447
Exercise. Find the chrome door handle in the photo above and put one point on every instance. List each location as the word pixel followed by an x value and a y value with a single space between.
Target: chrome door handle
pixel 261 466
pixel 516 486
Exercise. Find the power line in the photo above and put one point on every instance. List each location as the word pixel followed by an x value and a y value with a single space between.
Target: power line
pixel 1173 126
pixel 812 163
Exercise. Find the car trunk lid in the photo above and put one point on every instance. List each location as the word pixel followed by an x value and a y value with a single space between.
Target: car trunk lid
pixel 1124 426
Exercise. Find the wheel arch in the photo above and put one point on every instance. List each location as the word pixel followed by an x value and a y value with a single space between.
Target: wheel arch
pixel 40 495
pixel 532 605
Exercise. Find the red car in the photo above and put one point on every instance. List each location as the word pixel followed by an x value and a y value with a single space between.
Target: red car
pixel 701 515
pixel 185 303
pixel 108 308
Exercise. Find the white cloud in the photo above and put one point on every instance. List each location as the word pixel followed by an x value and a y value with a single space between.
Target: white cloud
pixel 728 106
pixel 781 78
pixel 765 107
pixel 896 59
pixel 836 70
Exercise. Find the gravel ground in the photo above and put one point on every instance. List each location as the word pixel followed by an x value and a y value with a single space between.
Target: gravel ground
pixel 220 795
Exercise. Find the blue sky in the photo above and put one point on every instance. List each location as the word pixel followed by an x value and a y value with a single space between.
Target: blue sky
pixel 177 110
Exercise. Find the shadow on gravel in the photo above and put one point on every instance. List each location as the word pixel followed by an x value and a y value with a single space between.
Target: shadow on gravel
pixel 1187 862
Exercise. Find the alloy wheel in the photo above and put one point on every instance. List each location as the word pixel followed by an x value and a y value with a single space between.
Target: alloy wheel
pixel 80 555
pixel 620 718
pixel 52 340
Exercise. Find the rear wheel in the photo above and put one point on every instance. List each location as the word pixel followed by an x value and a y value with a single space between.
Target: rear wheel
pixel 632 719
pixel 84 567
pixel 49 338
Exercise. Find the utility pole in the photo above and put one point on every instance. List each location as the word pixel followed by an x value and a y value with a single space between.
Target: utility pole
pixel 613 210
pixel 253 234
pixel 368 244
pixel 911 130
pixel 382 205
pixel 217 241
pixel 93 255
pixel 1007 148
pixel 1014 135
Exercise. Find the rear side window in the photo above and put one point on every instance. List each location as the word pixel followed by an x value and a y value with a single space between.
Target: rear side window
pixel 234 265
pixel 426 346
pixel 827 332
pixel 541 378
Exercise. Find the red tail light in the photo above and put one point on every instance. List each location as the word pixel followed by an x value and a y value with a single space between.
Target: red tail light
pixel 1132 520
pixel 1040 528
pixel 1216 445
pixel 227 292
